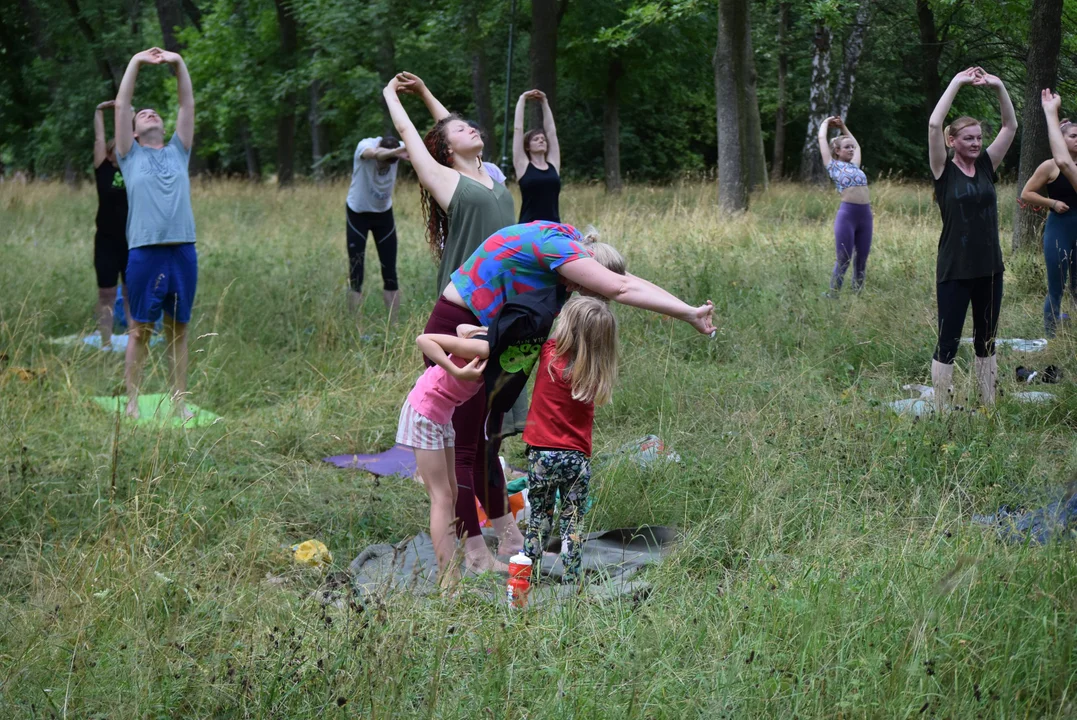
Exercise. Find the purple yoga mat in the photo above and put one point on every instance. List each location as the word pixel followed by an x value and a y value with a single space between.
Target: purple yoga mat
pixel 398 460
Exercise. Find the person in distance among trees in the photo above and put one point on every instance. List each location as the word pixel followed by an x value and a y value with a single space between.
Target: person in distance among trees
pixel 162 265
pixel 369 209
pixel 1060 230
pixel 854 223
pixel 969 267
pixel 110 240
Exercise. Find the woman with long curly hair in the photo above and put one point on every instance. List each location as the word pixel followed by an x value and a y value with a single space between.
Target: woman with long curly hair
pixel 462 206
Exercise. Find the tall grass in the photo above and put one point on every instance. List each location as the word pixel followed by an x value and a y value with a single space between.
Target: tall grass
pixel 828 566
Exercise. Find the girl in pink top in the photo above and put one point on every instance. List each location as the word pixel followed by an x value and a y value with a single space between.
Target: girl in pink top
pixel 426 426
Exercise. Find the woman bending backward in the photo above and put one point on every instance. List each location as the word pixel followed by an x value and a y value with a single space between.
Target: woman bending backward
pixel 1060 230
pixel 969 266
pixel 854 223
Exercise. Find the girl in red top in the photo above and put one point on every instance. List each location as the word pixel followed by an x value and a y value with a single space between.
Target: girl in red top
pixel 577 370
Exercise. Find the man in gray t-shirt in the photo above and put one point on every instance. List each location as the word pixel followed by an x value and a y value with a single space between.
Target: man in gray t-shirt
pixel 162 266
pixel 369 208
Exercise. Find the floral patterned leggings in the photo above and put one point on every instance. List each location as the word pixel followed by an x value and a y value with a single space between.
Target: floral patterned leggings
pixel 550 472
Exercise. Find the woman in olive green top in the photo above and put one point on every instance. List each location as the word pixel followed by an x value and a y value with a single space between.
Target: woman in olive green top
pixel 463 206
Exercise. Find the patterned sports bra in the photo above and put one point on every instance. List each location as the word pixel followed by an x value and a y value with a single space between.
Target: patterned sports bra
pixel 846 175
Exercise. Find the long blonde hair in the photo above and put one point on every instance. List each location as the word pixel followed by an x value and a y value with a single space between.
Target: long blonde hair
pixel 586 337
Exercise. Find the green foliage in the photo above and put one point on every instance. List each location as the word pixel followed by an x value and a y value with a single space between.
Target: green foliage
pixel 51 74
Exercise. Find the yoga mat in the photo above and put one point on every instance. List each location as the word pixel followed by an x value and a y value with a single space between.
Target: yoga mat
pixel 397 460
pixel 156 409
pixel 119 342
pixel 1018 344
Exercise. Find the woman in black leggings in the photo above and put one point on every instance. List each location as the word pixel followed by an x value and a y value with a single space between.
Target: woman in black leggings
pixel 969 267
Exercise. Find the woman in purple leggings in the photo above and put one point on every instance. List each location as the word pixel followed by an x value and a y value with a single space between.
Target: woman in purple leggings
pixel 853 225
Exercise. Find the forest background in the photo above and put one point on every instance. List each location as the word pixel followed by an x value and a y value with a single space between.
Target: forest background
pixel 286 88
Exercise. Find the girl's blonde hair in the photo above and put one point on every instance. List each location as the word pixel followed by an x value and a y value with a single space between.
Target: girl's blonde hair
pixel 957 126
pixel 586 337
pixel 607 256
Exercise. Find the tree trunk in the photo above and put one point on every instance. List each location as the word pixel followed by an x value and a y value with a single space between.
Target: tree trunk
pixel 730 95
pixel 108 72
pixel 170 15
pixel 611 127
pixel 386 61
pixel 480 90
pixel 545 17
pixel 289 41
pixel 930 54
pixel 254 164
pixel 317 132
pixel 811 167
pixel 1041 71
pixel 853 47
pixel 777 165
pixel 751 124
pixel 193 13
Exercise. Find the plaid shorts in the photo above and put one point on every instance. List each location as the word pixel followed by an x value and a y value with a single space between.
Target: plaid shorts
pixel 421 433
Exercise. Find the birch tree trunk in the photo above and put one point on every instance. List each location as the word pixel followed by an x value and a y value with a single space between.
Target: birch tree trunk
pixel 1045 27
pixel 852 49
pixel 811 169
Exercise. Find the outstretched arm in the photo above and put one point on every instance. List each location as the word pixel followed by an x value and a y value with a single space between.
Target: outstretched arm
pixel 1051 103
pixel 437 348
pixel 519 157
pixel 997 149
pixel 100 145
pixel 553 147
pixel 440 181
pixel 824 144
pixel 124 132
pixel 936 143
pixel 629 290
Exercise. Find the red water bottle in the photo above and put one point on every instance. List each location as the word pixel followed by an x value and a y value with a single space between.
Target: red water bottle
pixel 519 580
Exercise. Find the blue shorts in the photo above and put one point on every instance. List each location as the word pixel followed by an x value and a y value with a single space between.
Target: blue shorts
pixel 162 278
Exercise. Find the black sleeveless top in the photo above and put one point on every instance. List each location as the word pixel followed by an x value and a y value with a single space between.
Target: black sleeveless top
pixel 111 201
pixel 1060 189
pixel 539 190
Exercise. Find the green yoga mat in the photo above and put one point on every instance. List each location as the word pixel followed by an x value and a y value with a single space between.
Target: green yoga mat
pixel 156 409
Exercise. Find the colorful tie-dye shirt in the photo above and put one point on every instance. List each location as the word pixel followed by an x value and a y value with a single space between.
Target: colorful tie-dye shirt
pixel 515 260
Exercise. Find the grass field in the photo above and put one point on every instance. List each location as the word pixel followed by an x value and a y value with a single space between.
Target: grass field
pixel 828 568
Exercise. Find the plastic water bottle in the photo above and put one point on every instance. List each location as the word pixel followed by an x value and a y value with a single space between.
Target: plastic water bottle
pixel 519 580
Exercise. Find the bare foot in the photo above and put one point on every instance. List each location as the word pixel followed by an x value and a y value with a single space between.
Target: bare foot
pixel 511 542
pixel 132 409
pixel 484 562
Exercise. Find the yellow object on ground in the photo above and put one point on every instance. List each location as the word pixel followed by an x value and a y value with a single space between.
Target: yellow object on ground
pixel 312 552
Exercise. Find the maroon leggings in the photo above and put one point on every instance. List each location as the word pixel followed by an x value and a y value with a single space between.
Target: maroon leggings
pixel 471 477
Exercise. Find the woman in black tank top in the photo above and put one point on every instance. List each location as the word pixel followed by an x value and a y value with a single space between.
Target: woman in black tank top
pixel 536 157
pixel 1060 230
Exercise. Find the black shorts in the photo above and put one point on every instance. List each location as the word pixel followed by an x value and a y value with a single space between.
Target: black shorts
pixel 109 259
